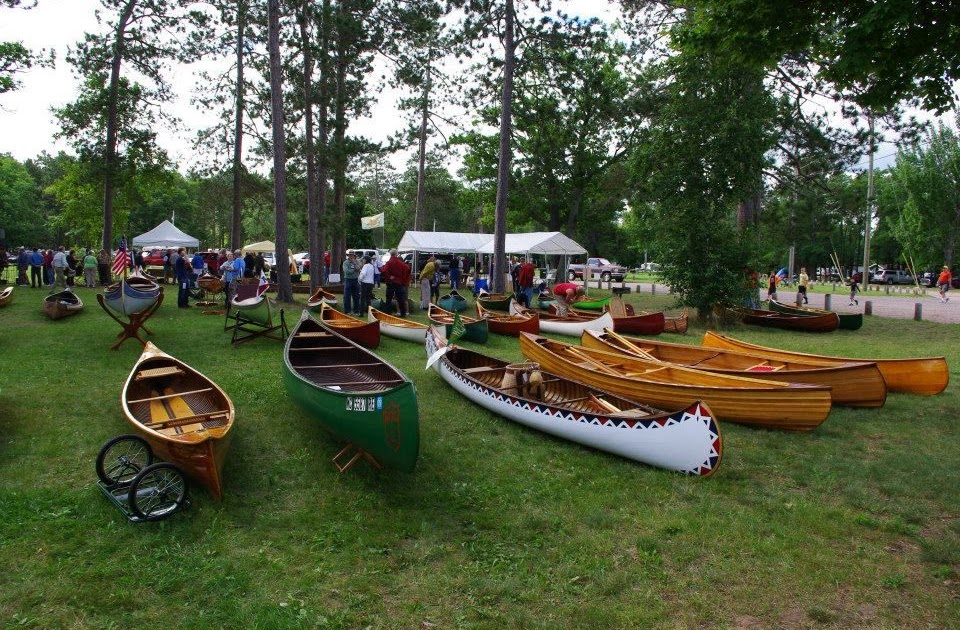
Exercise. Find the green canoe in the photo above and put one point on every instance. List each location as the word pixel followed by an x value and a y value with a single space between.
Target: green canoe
pixel 353 393
pixel 594 305
pixel 848 321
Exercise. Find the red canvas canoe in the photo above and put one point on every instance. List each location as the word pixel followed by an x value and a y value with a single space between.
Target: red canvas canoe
pixel 511 325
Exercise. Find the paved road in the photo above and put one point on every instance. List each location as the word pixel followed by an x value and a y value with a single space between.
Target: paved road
pixel 900 306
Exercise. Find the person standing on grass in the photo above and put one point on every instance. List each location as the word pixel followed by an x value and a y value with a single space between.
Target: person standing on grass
pixel 90 270
pixel 36 268
pixel 103 267
pixel 351 284
pixel 426 279
pixel 525 281
pixel 396 274
pixel 455 273
pixel 59 269
pixel 196 265
pixel 229 278
pixel 802 281
pixel 854 287
pixel 367 279
pixel 181 272
pixel 943 284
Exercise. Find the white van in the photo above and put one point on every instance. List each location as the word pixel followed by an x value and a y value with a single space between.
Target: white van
pixel 372 253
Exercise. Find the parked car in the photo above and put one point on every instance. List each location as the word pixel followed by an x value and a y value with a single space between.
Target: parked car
pixel 929 279
pixel 650 267
pixel 598 266
pixel 154 257
pixel 892 276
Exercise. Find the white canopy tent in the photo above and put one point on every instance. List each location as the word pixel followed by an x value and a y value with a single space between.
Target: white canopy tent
pixel 165 236
pixel 443 242
pixel 260 247
pixel 543 243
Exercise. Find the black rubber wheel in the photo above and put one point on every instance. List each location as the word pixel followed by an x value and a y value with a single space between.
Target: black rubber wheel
pixel 605 276
pixel 157 492
pixel 571 276
pixel 890 281
pixel 122 458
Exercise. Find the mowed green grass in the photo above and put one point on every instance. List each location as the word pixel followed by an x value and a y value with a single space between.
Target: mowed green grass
pixel 852 525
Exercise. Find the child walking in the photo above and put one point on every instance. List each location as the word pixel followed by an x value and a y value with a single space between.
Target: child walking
pixel 854 287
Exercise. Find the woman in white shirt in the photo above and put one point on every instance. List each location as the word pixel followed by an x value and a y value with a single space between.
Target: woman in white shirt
pixel 367 273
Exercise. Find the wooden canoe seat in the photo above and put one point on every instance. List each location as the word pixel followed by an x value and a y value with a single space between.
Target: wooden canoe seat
pixel 333 365
pixel 383 382
pixel 321 348
pixel 307 335
pixel 171 370
pixel 617 308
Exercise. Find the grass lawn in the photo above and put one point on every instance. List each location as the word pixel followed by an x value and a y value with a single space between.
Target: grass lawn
pixel 856 524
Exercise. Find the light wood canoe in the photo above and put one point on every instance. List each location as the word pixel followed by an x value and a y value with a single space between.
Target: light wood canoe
pixel 925 376
pixel 688 440
pixel 184 416
pixel 6 296
pixel 770 404
pixel 477 329
pixel 848 321
pixel 853 384
pixel 398 327
pixel 353 393
pixel 367 334
pixel 676 325
pixel 571 325
pixel 511 325
pixel 818 323
pixel 63 304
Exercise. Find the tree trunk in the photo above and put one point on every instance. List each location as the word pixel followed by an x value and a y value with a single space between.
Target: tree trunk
pixel 339 142
pixel 236 241
pixel 323 169
pixel 503 165
pixel 285 293
pixel 110 151
pixel 422 158
pixel 305 44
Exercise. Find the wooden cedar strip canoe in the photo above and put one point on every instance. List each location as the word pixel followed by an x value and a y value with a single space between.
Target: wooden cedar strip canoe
pixel 572 325
pixel 817 323
pixel 319 296
pixel 184 416
pixel 688 440
pixel 676 325
pixel 854 384
pixel 210 283
pixel 495 301
pixel 848 321
pixel 6 296
pixel 63 304
pixel 511 325
pixel 477 329
pixel 453 301
pixel 626 320
pixel 398 327
pixel 353 393
pixel 925 376
pixel 770 404
pixel 367 334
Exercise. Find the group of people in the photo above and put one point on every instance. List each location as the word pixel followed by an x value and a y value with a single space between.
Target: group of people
pixel 59 268
pixel 359 279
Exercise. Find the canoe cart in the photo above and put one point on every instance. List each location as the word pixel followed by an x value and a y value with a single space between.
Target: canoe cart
pixel 136 298
pixel 140 487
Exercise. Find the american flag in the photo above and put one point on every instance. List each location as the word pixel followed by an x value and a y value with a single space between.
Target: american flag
pixel 121 261
pixel 264 284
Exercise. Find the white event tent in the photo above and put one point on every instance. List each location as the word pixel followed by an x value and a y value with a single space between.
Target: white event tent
pixel 165 236
pixel 445 242
pixel 543 243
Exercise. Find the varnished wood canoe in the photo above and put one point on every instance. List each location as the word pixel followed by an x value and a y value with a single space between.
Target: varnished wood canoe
pixel 477 329
pixel 210 283
pixel 6 296
pixel 925 376
pixel 572 325
pixel 495 301
pixel 626 320
pixel 367 334
pixel 319 296
pixel 398 327
pixel 676 325
pixel 770 404
pixel 184 416
pixel 688 440
pixel 817 323
pixel 853 384
pixel 511 325
pixel 453 301
pixel 353 393
pixel 63 304
pixel 848 321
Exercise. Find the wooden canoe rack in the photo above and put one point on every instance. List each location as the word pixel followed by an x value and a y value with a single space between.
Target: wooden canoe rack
pixel 136 321
pixel 352 454
pixel 246 329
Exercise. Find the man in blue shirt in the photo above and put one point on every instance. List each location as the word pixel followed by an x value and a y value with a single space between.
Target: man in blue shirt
pixel 197 265
pixel 36 268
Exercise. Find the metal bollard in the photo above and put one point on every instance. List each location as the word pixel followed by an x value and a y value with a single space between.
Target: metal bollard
pixel 827 299
pixel 918 312
pixel 653 288
pixel 868 308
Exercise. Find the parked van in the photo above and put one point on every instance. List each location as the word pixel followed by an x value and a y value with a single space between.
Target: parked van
pixel 372 253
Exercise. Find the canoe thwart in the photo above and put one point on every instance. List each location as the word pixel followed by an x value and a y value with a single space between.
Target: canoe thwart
pixel 159 372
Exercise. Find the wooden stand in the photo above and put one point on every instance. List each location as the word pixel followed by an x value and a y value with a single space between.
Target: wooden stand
pixel 246 329
pixel 355 454
pixel 131 328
